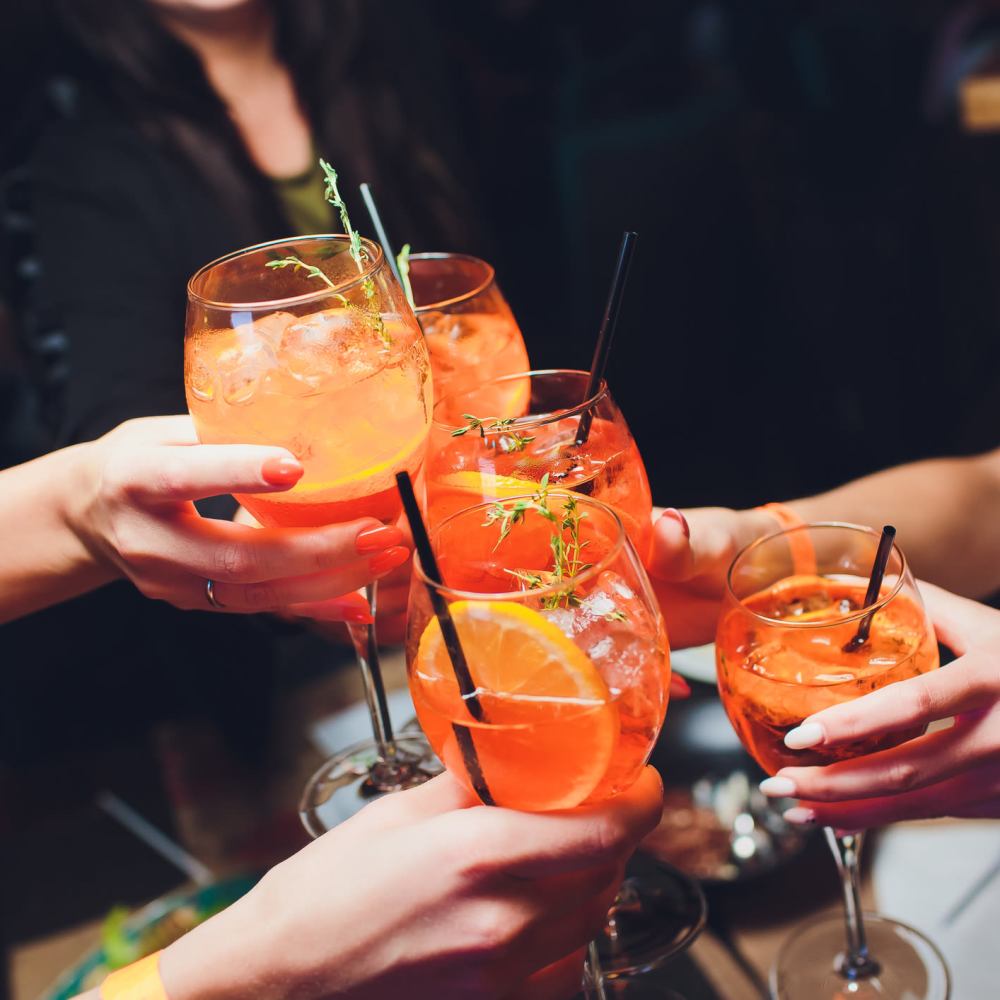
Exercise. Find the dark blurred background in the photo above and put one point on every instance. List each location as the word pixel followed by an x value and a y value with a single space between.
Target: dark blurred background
pixel 814 294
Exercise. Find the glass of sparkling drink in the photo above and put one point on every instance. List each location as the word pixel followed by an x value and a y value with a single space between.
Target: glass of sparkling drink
pixel 503 437
pixel 786 649
pixel 566 648
pixel 471 333
pixel 324 357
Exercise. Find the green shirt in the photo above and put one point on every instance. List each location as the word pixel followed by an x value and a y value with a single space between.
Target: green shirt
pixel 302 201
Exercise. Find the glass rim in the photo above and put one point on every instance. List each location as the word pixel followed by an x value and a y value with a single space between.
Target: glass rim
pixel 465 296
pixel 372 250
pixel 529 420
pixel 620 542
pixel 856 615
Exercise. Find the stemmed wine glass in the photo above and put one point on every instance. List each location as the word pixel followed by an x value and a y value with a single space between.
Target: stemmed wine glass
pixel 565 647
pixel 471 333
pixel 797 634
pixel 308 344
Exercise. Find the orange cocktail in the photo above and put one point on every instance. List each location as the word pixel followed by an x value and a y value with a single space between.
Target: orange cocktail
pixel 471 332
pixel 772 678
pixel 334 370
pixel 799 633
pixel 567 651
pixel 525 428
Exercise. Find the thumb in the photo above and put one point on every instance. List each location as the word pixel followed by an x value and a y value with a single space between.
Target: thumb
pixel 671 555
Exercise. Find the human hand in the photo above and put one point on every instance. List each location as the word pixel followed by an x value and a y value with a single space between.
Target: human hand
pixel 689 558
pixel 950 772
pixel 132 508
pixel 424 894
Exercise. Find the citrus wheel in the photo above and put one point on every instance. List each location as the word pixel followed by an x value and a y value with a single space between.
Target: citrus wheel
pixel 549 727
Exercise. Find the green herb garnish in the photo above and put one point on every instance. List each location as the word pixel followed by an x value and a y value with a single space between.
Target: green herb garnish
pixel 370 310
pixel 567 554
pixel 506 439
pixel 300 265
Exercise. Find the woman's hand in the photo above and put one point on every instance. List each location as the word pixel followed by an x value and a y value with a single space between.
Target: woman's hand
pixel 132 507
pixel 950 772
pixel 691 554
pixel 424 894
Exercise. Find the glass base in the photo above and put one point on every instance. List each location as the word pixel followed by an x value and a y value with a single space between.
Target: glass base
pixel 355 776
pixel 909 966
pixel 658 914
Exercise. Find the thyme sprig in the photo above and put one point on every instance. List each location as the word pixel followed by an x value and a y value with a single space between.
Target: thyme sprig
pixel 370 310
pixel 300 265
pixel 567 553
pixel 505 438
pixel 332 194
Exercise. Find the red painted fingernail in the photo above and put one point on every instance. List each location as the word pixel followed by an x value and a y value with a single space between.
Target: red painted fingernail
pixel 679 687
pixel 388 560
pixel 676 515
pixel 350 611
pixel 373 539
pixel 281 471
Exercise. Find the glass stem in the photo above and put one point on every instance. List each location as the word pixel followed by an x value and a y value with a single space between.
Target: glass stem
pixel 856 963
pixel 594 973
pixel 366 648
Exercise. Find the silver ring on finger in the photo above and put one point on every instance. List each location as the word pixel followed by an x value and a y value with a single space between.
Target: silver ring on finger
pixel 210 596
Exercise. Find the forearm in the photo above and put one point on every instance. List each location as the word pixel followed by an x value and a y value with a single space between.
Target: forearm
pixel 946 511
pixel 42 560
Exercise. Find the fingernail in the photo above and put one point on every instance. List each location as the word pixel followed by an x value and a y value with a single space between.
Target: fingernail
pixel 676 515
pixel 388 560
pixel 778 787
pixel 679 687
pixel 799 815
pixel 373 539
pixel 281 471
pixel 349 608
pixel 352 613
pixel 802 737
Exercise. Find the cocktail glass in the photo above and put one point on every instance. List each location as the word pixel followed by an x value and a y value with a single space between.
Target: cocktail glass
pixel 570 663
pixel 794 601
pixel 471 333
pixel 326 360
pixel 528 426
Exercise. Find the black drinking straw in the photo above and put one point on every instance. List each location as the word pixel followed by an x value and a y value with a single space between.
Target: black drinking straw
pixel 422 543
pixel 369 198
pixel 874 587
pixel 602 349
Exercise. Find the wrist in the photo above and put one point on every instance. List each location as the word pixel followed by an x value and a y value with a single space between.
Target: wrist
pixel 77 484
pixel 238 953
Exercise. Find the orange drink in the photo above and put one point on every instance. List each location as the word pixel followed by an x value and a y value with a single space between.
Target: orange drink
pixel 809 623
pixel 569 655
pixel 335 371
pixel 524 430
pixel 471 333
pixel 773 678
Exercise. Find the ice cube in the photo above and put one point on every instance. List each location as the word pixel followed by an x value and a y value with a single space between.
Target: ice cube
pixel 242 367
pixel 269 328
pixel 200 379
pixel 325 346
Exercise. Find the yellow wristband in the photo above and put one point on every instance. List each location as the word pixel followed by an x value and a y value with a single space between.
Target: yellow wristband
pixel 138 981
pixel 799 542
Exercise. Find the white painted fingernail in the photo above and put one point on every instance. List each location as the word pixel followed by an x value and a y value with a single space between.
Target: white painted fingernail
pixel 778 787
pixel 802 737
pixel 799 815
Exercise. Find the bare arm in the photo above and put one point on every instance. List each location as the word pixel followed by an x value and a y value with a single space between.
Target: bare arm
pixel 42 561
pixel 946 510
